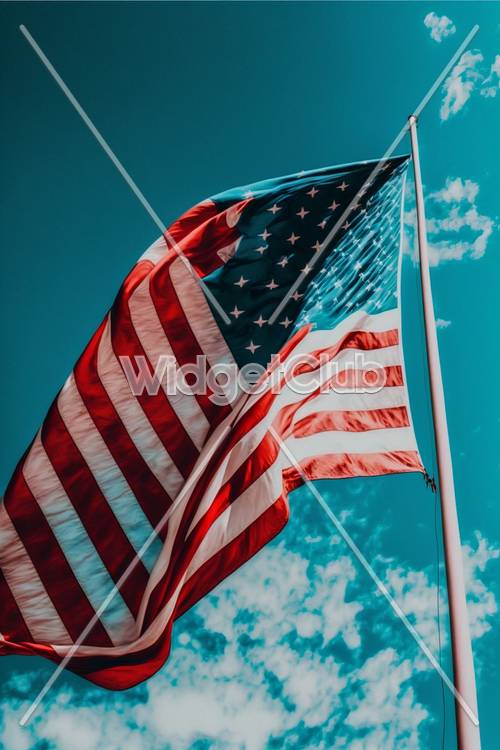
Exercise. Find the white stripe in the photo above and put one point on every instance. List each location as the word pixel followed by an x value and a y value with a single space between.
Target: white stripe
pixel 241 514
pixel 388 398
pixel 133 417
pixel 30 594
pixel 369 441
pixel 199 315
pixel 107 473
pixel 155 252
pixel 75 543
pixel 155 343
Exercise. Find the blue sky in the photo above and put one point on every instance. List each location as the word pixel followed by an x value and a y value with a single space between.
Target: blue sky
pixel 295 650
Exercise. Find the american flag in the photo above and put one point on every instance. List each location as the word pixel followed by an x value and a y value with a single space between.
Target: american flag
pixel 165 494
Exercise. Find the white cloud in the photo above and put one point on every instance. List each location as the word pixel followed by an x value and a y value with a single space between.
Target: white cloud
pixel 460 84
pixel 440 26
pixel 455 227
pixel 442 323
pixel 12 735
pixel 387 707
pixel 481 603
pixel 256 661
pixel 457 191
pixel 491 85
pixel 469 76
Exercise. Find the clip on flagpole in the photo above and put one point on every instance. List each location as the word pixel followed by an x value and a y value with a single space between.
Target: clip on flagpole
pixel 468 735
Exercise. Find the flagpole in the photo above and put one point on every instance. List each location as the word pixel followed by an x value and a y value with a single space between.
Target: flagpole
pixel 468 735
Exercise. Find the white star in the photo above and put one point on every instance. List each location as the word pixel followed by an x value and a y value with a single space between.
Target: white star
pixel 338 285
pixel 296 296
pixel 293 238
pixel 358 266
pixel 316 246
pixel 283 262
pixel 312 192
pixel 262 249
pixel 286 322
pixel 343 186
pixel 265 234
pixel 236 312
pixel 302 212
pixel 252 347
pixel 306 269
pixel 274 209
pixel 248 194
pixel 260 321
pixel 346 225
pixel 241 283
pixel 333 206
pixel 272 285
pixel 322 224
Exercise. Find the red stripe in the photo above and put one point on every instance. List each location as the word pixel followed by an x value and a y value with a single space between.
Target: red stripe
pixel 57 576
pixel 178 331
pixel 147 489
pixel 12 624
pixel 351 421
pixel 157 408
pixel 345 465
pixel 362 340
pixel 101 524
pixel 208 233
pixel 192 218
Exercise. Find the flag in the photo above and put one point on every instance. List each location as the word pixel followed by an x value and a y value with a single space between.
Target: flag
pixel 163 491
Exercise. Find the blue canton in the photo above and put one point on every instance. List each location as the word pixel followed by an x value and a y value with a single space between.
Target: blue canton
pixel 282 229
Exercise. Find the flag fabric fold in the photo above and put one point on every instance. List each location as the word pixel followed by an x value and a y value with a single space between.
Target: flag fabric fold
pixel 121 447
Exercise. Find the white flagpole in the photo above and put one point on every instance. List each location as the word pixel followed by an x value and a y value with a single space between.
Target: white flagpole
pixel 468 735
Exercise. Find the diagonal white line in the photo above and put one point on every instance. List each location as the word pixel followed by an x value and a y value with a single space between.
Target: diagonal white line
pixel 375 578
pixel 371 177
pixel 121 169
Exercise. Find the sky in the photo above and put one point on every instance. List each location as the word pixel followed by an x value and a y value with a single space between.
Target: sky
pixel 295 649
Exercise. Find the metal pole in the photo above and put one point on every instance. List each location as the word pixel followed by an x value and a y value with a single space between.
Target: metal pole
pixel 468 735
